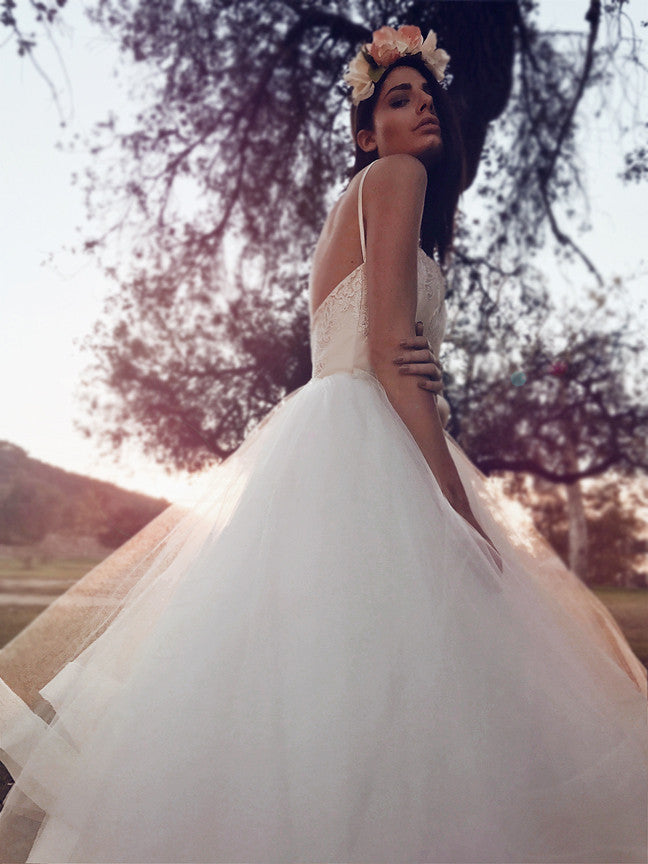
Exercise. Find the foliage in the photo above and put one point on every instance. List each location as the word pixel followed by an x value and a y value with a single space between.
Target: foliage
pixel 636 164
pixel 28 512
pixel 124 523
pixel 582 408
pixel 617 545
pixel 249 112
pixel 222 184
pixel 617 549
pixel 44 15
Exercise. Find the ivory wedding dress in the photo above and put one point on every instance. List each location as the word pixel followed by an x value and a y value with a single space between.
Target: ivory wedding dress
pixel 330 667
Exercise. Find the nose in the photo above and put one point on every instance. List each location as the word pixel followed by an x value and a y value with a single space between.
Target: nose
pixel 426 103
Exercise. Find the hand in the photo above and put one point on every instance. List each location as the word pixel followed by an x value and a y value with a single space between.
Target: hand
pixel 491 551
pixel 418 359
pixel 497 558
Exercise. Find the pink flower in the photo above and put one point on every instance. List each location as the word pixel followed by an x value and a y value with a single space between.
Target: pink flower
pixel 389 45
pixel 383 49
pixel 409 39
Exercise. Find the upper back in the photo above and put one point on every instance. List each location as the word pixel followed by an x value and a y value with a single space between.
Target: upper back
pixel 339 249
pixel 340 312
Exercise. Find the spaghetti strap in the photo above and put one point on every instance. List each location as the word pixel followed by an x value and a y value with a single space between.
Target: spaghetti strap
pixel 363 243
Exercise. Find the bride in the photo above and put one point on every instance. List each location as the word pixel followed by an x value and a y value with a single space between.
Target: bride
pixel 347 652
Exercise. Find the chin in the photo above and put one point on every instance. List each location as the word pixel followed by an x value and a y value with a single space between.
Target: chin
pixel 431 155
pixel 437 148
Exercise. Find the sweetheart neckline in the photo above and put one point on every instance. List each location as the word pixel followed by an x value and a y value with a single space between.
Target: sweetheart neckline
pixel 346 279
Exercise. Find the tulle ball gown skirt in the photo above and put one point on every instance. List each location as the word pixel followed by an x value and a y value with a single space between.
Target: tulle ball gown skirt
pixel 332 668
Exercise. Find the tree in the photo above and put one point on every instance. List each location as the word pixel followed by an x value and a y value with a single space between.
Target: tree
pixel 557 405
pixel 560 405
pixel 616 550
pixel 192 359
pixel 28 512
pixel 43 15
pixel 248 349
pixel 125 523
pixel 245 107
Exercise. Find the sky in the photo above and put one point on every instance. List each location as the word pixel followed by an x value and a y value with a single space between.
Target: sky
pixel 50 298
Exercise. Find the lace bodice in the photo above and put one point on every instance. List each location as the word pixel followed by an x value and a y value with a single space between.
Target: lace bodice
pixel 340 325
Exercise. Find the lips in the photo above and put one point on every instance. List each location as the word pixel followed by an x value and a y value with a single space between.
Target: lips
pixel 429 123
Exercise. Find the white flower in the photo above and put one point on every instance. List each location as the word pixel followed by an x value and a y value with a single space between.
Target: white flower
pixel 429 45
pixel 358 77
pixel 436 59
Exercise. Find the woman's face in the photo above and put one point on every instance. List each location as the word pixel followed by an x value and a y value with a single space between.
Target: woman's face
pixel 404 118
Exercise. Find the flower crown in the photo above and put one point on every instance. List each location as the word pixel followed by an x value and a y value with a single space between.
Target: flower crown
pixel 389 45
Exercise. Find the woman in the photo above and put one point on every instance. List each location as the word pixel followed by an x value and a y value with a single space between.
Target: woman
pixel 335 663
pixel 398 125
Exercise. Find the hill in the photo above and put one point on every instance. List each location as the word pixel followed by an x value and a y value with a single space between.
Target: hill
pixel 48 510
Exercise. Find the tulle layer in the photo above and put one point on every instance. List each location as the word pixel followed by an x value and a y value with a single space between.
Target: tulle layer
pixel 332 668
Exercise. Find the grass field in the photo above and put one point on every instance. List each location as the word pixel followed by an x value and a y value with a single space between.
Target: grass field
pixel 14 618
pixel 629 607
pixel 60 569
pixel 50 578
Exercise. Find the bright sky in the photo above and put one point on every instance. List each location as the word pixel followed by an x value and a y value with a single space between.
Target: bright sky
pixel 50 299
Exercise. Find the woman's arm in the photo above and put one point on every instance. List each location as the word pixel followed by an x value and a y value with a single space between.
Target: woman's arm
pixel 417 358
pixel 393 197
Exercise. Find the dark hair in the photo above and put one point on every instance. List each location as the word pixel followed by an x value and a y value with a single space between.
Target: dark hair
pixel 446 177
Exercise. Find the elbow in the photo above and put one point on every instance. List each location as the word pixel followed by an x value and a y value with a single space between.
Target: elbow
pixel 383 353
pixel 383 367
pixel 398 386
pixel 376 359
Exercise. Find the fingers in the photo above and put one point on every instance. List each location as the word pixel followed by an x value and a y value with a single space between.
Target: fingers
pixel 417 350
pixel 416 342
pixel 428 370
pixel 429 373
pixel 431 386
pixel 418 356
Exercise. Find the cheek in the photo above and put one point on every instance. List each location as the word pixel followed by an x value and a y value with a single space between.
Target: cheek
pixel 394 127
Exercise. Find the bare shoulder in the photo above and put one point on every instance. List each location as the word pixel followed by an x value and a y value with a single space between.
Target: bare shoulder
pixel 399 175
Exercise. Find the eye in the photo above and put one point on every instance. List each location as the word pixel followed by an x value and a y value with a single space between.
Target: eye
pixel 398 102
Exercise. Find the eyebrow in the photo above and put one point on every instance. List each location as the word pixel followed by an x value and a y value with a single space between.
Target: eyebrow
pixel 407 86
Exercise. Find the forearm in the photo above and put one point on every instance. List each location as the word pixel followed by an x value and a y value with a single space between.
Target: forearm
pixel 395 202
pixel 418 410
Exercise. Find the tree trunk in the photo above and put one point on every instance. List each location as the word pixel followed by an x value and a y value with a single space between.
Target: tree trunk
pixel 575 515
pixel 577 530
